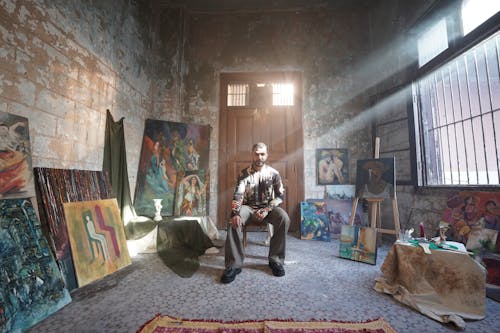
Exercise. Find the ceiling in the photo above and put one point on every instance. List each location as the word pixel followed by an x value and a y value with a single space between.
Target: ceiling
pixel 261 5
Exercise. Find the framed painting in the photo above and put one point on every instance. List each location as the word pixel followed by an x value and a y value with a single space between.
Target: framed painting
pixel 375 178
pixel 167 149
pixel 32 285
pixel 16 174
pixel 332 166
pixel 314 221
pixel 191 198
pixel 97 239
pixel 358 244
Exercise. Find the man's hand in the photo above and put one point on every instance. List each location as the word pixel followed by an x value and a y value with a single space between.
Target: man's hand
pixel 236 221
pixel 261 214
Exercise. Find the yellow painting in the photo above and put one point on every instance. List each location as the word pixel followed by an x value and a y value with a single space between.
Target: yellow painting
pixel 97 239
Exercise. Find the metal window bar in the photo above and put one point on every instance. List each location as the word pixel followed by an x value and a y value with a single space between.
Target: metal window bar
pixel 477 55
pixel 497 143
pixel 463 134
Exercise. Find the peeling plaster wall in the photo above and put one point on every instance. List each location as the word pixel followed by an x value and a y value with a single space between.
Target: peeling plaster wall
pixel 327 46
pixel 63 63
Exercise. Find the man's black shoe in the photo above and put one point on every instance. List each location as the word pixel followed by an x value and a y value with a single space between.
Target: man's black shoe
pixel 277 268
pixel 229 275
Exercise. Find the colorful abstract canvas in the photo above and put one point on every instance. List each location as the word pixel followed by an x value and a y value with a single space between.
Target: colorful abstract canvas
pixel 56 186
pixel 468 212
pixel 191 198
pixel 97 239
pixel 314 221
pixel 32 287
pixel 375 178
pixel 16 174
pixel 358 244
pixel 338 212
pixel 168 148
pixel 332 166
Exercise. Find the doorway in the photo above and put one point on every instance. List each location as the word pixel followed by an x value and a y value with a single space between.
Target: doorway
pixel 261 107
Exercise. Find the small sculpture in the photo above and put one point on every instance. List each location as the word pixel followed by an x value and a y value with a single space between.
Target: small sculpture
pixel 158 207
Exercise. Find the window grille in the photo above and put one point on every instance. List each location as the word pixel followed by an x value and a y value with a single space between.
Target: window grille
pixel 237 94
pixel 283 94
pixel 458 119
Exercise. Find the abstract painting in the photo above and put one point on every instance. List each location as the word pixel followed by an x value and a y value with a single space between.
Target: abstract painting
pixel 338 212
pixel 468 212
pixel 56 186
pixel 32 287
pixel 332 166
pixel 358 244
pixel 314 221
pixel 375 178
pixel 97 239
pixel 191 198
pixel 16 174
pixel 168 148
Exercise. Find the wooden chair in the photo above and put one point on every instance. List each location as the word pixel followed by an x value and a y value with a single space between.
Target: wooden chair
pixel 252 225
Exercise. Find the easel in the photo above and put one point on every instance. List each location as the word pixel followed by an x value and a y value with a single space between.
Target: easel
pixel 374 208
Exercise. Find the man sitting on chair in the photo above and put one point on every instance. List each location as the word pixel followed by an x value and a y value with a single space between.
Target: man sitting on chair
pixel 258 194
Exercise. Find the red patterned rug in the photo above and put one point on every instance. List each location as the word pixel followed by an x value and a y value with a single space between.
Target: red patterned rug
pixel 166 324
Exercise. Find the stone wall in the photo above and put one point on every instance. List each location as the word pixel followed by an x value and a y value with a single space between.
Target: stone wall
pixel 326 46
pixel 63 63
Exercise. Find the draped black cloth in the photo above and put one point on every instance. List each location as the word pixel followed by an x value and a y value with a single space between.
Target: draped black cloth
pixel 115 165
pixel 180 243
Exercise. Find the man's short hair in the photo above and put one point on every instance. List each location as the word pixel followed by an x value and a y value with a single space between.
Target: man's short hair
pixel 259 145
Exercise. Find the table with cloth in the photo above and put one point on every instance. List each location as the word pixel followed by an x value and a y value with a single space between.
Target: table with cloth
pixel 445 285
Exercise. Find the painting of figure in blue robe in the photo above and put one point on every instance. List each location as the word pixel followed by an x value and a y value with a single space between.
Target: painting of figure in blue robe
pixel 168 148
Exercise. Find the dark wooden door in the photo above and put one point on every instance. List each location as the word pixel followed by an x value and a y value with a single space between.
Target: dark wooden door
pixel 254 113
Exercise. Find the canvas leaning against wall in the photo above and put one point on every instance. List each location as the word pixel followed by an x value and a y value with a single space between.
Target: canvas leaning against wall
pixel 16 176
pixel 31 285
pixel 358 244
pixel 55 186
pixel 314 223
pixel 97 239
pixel 167 149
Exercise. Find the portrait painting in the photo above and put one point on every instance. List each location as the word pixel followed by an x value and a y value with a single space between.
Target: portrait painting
pixel 191 198
pixel 375 178
pixel 314 224
pixel 358 244
pixel 332 166
pixel 32 287
pixel 167 149
pixel 16 174
pixel 97 239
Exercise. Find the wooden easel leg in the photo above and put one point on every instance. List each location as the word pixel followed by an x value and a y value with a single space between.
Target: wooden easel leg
pixel 395 212
pixel 353 210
